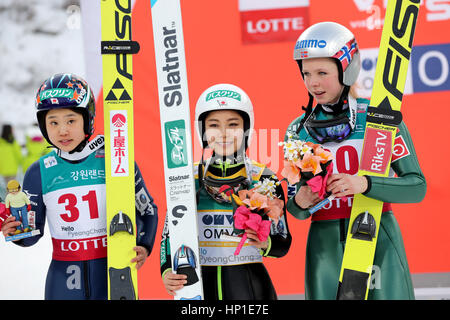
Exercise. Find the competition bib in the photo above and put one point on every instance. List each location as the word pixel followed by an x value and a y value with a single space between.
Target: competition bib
pixel 346 160
pixel 216 219
pixel 77 222
pixel 216 252
pixel 74 196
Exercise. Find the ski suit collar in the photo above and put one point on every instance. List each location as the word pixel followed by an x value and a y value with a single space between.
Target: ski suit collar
pixel 92 146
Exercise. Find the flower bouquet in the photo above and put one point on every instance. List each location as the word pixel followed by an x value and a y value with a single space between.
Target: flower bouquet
pixel 307 163
pixel 252 210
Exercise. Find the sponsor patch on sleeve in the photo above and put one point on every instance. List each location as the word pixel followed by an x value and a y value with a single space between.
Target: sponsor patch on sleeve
pixel 400 149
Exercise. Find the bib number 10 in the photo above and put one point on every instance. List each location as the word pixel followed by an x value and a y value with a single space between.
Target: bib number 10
pixel 347 160
pixel 70 201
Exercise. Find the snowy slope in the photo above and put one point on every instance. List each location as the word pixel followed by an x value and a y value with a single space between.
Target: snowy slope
pixel 37 38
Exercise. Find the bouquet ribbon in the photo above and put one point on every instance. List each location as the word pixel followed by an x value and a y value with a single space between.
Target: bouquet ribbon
pixel 319 183
pixel 245 219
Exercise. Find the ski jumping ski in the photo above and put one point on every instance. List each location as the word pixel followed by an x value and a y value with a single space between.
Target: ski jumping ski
pixel 177 145
pixel 117 49
pixel 383 117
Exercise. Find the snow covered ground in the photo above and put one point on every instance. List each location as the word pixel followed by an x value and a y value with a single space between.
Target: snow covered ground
pixel 37 39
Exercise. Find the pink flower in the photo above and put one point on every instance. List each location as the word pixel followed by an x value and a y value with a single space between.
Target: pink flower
pixel 241 216
pixel 245 219
pixel 264 230
pixel 319 183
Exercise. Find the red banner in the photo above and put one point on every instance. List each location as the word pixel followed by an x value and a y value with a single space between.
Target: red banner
pixel 273 25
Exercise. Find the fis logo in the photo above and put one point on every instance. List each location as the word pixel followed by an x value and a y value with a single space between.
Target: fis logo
pixel 429 69
pixel 123 32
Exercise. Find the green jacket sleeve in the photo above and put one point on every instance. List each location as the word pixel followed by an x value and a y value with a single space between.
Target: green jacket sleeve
pixel 296 210
pixel 409 185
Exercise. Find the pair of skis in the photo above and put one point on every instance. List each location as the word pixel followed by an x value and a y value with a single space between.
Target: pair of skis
pixel 117 51
pixel 383 117
pixel 382 120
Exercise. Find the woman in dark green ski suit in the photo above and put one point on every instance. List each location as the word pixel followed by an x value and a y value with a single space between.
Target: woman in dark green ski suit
pixel 329 61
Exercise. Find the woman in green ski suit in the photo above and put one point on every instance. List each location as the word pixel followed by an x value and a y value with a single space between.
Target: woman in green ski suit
pixel 329 66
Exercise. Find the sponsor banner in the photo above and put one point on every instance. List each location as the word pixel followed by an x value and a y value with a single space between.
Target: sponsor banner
pixel 79 249
pixel 272 21
pixel 428 70
pixel 364 82
pixel 365 18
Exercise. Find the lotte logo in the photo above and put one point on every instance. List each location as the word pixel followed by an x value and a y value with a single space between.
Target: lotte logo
pixel 273 24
